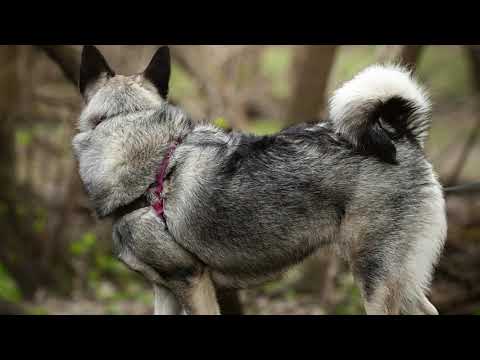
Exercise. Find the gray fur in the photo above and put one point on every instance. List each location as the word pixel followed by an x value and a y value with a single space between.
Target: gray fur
pixel 241 209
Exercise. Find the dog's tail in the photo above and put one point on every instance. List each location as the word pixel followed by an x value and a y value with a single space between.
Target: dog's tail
pixel 380 105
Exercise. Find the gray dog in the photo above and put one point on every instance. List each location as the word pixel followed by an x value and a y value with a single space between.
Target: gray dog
pixel 197 208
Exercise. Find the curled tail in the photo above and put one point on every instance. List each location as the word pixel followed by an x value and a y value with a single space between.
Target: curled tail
pixel 380 105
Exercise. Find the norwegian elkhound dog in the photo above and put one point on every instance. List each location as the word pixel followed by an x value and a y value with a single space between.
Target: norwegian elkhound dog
pixel 196 208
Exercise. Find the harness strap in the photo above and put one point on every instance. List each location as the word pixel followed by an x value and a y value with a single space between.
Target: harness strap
pixel 159 204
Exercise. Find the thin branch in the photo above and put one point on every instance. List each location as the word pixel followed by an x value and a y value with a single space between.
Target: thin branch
pixel 67 57
pixel 467 189
pixel 465 154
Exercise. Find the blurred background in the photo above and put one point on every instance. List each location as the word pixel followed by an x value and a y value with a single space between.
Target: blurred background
pixel 55 257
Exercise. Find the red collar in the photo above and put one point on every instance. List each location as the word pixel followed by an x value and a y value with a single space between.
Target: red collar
pixel 159 203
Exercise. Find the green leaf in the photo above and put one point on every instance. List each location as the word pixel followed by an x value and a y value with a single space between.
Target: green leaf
pixel 221 123
pixel 40 221
pixel 84 245
pixel 9 290
pixel 38 310
pixel 39 225
pixel 266 127
pixel 23 137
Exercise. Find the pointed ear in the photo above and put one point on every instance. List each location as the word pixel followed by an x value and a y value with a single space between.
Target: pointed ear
pixel 93 65
pixel 158 72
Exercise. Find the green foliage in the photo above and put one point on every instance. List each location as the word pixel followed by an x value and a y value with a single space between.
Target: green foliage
pixel 37 310
pixel 84 245
pixel 266 127
pixel 221 123
pixel 107 264
pixel 23 137
pixel 40 220
pixel 113 309
pixel 273 288
pixel 351 303
pixel 21 210
pixel 9 290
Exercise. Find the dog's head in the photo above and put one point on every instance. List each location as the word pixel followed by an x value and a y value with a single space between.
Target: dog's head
pixel 108 95
pixel 119 144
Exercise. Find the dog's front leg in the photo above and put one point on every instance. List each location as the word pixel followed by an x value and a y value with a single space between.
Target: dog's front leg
pixel 179 279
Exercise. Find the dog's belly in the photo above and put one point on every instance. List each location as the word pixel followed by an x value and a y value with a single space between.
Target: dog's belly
pixel 253 255
pixel 239 281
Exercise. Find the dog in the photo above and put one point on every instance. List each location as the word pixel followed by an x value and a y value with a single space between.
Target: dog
pixel 234 210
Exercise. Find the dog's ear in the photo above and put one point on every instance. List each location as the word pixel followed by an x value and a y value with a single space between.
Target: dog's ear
pixel 158 71
pixel 92 67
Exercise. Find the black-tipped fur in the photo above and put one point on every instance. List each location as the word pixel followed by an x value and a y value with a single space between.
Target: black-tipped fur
pixel 93 65
pixel 388 122
pixel 158 71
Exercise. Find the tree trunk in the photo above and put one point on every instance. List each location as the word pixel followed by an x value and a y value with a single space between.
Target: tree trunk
pixel 473 52
pixel 67 58
pixel 311 71
pixel 407 55
pixel 17 248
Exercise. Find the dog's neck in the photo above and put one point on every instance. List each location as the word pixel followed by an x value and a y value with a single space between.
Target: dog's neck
pixel 177 125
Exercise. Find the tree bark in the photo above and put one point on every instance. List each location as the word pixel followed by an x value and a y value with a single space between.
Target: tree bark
pixel 311 71
pixel 17 248
pixel 67 57
pixel 407 55
pixel 473 52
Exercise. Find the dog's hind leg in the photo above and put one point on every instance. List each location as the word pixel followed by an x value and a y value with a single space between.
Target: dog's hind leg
pixel 427 240
pixel 197 295
pixel 395 279
pixel 165 301
pixel 394 255
pixel 427 307
pixel 384 300
pixel 375 274
pixel 390 286
pixel 418 304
